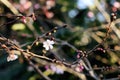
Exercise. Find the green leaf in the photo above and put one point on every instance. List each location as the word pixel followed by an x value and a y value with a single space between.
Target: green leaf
pixel 18 26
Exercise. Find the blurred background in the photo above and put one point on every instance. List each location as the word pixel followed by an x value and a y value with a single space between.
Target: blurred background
pixel 86 20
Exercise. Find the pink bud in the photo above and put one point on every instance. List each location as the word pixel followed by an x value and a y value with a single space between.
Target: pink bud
pixel 81 67
pixel 78 55
pixel 90 14
pixel 24 19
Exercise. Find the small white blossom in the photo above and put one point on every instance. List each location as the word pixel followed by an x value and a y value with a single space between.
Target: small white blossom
pixel 12 57
pixel 57 69
pixel 48 44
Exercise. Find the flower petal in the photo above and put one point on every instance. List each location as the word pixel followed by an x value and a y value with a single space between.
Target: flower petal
pixel 52 42
pixel 47 48
pixel 12 57
pixel 50 46
pixel 8 59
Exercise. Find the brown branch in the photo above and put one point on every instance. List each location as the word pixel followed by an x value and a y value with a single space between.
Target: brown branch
pixel 36 68
pixel 105 38
pixel 10 22
pixel 49 33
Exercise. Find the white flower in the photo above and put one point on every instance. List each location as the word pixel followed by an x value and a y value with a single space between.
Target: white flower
pixel 53 68
pixel 12 57
pixel 48 44
pixel 57 69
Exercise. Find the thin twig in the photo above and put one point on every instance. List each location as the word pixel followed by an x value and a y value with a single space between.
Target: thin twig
pixel 10 22
pixel 36 68
pixel 105 38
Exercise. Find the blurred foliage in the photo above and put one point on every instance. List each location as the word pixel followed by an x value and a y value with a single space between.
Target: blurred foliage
pixel 86 28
